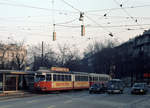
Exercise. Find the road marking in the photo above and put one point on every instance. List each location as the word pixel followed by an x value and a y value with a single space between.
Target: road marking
pixel 32 101
pixel 68 101
pixel 52 106
pixel 6 106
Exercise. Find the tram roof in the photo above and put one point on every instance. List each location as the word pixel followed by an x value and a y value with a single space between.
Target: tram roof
pixel 50 71
pixel 85 73
pixel 97 74
pixel 70 72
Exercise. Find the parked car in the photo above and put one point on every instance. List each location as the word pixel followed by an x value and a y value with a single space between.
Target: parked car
pixel 139 88
pixel 97 88
pixel 115 86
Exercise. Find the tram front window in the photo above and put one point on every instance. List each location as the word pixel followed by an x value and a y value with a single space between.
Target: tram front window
pixel 39 78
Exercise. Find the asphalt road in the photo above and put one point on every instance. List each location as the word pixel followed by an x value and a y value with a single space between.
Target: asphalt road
pixel 79 99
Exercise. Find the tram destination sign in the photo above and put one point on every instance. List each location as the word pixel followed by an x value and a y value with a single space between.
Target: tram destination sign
pixel 59 69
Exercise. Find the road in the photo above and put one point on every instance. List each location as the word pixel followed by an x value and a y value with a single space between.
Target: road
pixel 79 99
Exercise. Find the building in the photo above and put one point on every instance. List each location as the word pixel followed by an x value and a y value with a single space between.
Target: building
pixel 12 56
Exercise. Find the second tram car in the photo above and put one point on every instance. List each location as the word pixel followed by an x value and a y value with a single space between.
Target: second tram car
pixel 98 78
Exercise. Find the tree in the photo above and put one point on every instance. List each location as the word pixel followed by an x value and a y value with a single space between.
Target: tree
pixel 3 50
pixel 69 57
pixel 37 59
pixel 19 56
pixel 101 56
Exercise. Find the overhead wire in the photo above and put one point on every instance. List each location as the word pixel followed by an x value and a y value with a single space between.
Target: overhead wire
pixel 71 5
pixel 34 7
pixel 135 20
pixel 113 26
pixel 110 33
pixel 112 9
pixel 98 25
pixel 67 22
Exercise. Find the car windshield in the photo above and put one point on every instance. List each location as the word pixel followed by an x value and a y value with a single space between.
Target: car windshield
pixel 115 83
pixel 138 85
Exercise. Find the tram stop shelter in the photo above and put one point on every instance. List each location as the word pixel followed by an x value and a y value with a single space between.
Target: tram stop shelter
pixel 11 80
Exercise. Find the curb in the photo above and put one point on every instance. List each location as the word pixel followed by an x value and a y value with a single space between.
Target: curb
pixel 5 96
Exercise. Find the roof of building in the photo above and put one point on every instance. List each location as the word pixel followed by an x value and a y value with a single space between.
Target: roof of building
pixel 16 72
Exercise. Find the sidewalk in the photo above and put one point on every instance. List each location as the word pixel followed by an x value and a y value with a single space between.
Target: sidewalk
pixel 14 94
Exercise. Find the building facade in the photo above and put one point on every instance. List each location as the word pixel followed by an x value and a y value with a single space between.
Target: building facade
pixel 12 56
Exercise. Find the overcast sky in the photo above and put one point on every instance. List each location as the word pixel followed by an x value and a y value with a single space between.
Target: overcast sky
pixel 32 20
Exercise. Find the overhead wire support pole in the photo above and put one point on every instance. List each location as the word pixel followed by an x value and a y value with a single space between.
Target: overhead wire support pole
pixel 53 20
pixel 42 53
pixel 81 18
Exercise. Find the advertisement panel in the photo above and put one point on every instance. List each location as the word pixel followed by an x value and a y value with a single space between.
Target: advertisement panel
pixel 62 84
pixel 81 84
pixel 61 69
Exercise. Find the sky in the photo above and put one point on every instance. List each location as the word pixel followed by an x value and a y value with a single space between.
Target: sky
pixel 32 20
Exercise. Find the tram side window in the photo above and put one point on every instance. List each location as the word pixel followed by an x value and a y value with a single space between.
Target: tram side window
pixel 105 79
pixel 59 78
pixel 95 78
pixel 48 77
pixel 65 78
pixel 54 77
pixel 100 79
pixel 77 78
pixel 86 78
pixel 82 78
pixel 69 77
pixel 90 78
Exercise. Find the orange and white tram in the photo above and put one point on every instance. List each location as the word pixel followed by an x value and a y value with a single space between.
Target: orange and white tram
pixel 53 81
pixel 47 80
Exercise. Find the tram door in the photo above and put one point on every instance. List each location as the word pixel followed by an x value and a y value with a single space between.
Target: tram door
pixel 11 82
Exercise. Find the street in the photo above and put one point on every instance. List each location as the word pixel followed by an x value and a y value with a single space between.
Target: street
pixel 79 99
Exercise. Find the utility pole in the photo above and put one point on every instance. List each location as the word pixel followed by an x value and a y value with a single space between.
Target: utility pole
pixel 42 52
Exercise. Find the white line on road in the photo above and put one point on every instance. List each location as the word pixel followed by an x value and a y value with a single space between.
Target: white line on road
pixel 52 106
pixel 32 101
pixel 68 101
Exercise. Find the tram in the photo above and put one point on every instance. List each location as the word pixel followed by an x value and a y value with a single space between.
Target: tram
pixel 98 78
pixel 57 80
